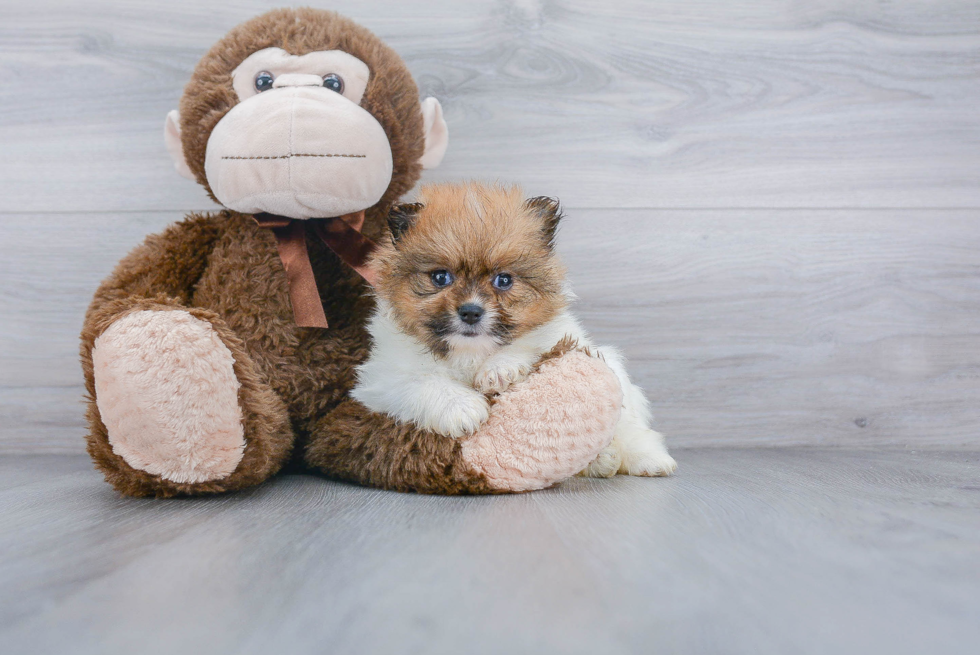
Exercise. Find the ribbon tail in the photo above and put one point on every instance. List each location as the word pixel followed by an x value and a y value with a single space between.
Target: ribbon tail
pixel 342 236
pixel 305 298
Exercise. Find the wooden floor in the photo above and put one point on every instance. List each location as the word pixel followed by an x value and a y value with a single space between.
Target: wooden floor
pixel 773 208
pixel 745 551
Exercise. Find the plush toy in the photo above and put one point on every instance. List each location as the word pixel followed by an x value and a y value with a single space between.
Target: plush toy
pixel 225 347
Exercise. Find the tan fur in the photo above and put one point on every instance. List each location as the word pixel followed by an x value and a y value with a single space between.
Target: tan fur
pixel 475 231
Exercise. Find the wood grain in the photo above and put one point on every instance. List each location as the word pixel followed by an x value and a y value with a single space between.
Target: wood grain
pixel 625 104
pixel 744 551
pixel 50 267
pixel 780 327
pixel 745 327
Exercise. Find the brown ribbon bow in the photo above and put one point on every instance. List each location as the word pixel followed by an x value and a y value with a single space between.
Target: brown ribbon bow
pixel 342 234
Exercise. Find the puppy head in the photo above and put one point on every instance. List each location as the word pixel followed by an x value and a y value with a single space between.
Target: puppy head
pixel 470 267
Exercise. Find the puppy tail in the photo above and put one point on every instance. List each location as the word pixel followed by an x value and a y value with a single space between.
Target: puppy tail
pixel 567 344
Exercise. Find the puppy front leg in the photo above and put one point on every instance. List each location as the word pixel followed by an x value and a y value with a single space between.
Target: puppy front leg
pixel 431 402
pixel 450 408
pixel 504 369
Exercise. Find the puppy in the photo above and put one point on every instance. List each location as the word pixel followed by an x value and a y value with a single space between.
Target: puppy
pixel 470 294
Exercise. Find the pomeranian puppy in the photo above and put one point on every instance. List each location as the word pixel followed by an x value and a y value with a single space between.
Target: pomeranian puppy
pixel 470 294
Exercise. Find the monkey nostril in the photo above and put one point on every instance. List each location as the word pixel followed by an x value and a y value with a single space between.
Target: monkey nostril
pixel 470 313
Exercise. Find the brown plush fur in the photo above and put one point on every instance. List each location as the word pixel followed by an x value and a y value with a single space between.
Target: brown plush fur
pixel 473 232
pixel 389 454
pixel 223 269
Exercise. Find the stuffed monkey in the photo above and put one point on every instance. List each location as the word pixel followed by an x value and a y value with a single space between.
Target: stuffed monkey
pixel 225 347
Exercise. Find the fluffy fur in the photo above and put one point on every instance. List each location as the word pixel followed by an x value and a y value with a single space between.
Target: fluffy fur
pixel 430 367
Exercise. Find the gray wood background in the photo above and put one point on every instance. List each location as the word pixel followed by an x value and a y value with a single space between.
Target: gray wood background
pixel 773 209
pixel 745 551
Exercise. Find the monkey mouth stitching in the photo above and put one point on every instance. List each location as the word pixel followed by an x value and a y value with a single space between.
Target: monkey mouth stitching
pixel 298 154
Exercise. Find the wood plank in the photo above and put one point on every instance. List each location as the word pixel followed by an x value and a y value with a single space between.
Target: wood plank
pixel 51 266
pixel 744 327
pixel 628 104
pixel 761 550
pixel 777 327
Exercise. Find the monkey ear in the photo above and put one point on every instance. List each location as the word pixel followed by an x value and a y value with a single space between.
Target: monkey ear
pixel 171 139
pixel 549 211
pixel 401 218
pixel 436 133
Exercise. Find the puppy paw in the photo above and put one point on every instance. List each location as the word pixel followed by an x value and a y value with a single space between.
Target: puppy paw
pixel 647 457
pixel 459 414
pixel 496 376
pixel 653 466
pixel 605 465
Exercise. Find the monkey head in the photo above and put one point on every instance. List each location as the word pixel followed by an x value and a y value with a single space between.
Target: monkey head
pixel 303 113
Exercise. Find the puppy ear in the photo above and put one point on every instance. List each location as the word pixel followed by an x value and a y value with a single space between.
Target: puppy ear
pixel 549 211
pixel 401 218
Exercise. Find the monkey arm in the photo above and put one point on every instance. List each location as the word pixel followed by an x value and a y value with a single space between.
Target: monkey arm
pixel 355 444
pixel 166 267
pixel 159 274
pixel 541 431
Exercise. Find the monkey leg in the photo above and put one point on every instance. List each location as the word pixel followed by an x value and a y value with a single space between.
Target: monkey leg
pixel 176 405
pixel 541 431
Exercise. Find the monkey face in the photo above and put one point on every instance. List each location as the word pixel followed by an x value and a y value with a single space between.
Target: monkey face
pixel 304 114
pixel 298 144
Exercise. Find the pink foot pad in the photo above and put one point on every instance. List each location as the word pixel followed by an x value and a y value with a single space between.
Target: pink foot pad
pixel 548 427
pixel 167 393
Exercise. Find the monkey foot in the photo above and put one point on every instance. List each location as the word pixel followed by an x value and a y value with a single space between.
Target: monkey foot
pixel 168 396
pixel 548 427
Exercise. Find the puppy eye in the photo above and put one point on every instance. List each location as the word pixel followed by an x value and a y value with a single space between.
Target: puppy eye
pixel 333 82
pixel 263 81
pixel 441 279
pixel 503 281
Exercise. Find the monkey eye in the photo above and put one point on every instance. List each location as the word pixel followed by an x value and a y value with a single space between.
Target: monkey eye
pixel 503 281
pixel 263 81
pixel 441 279
pixel 333 82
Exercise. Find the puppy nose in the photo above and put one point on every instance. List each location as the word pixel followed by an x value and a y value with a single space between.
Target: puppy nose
pixel 470 313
